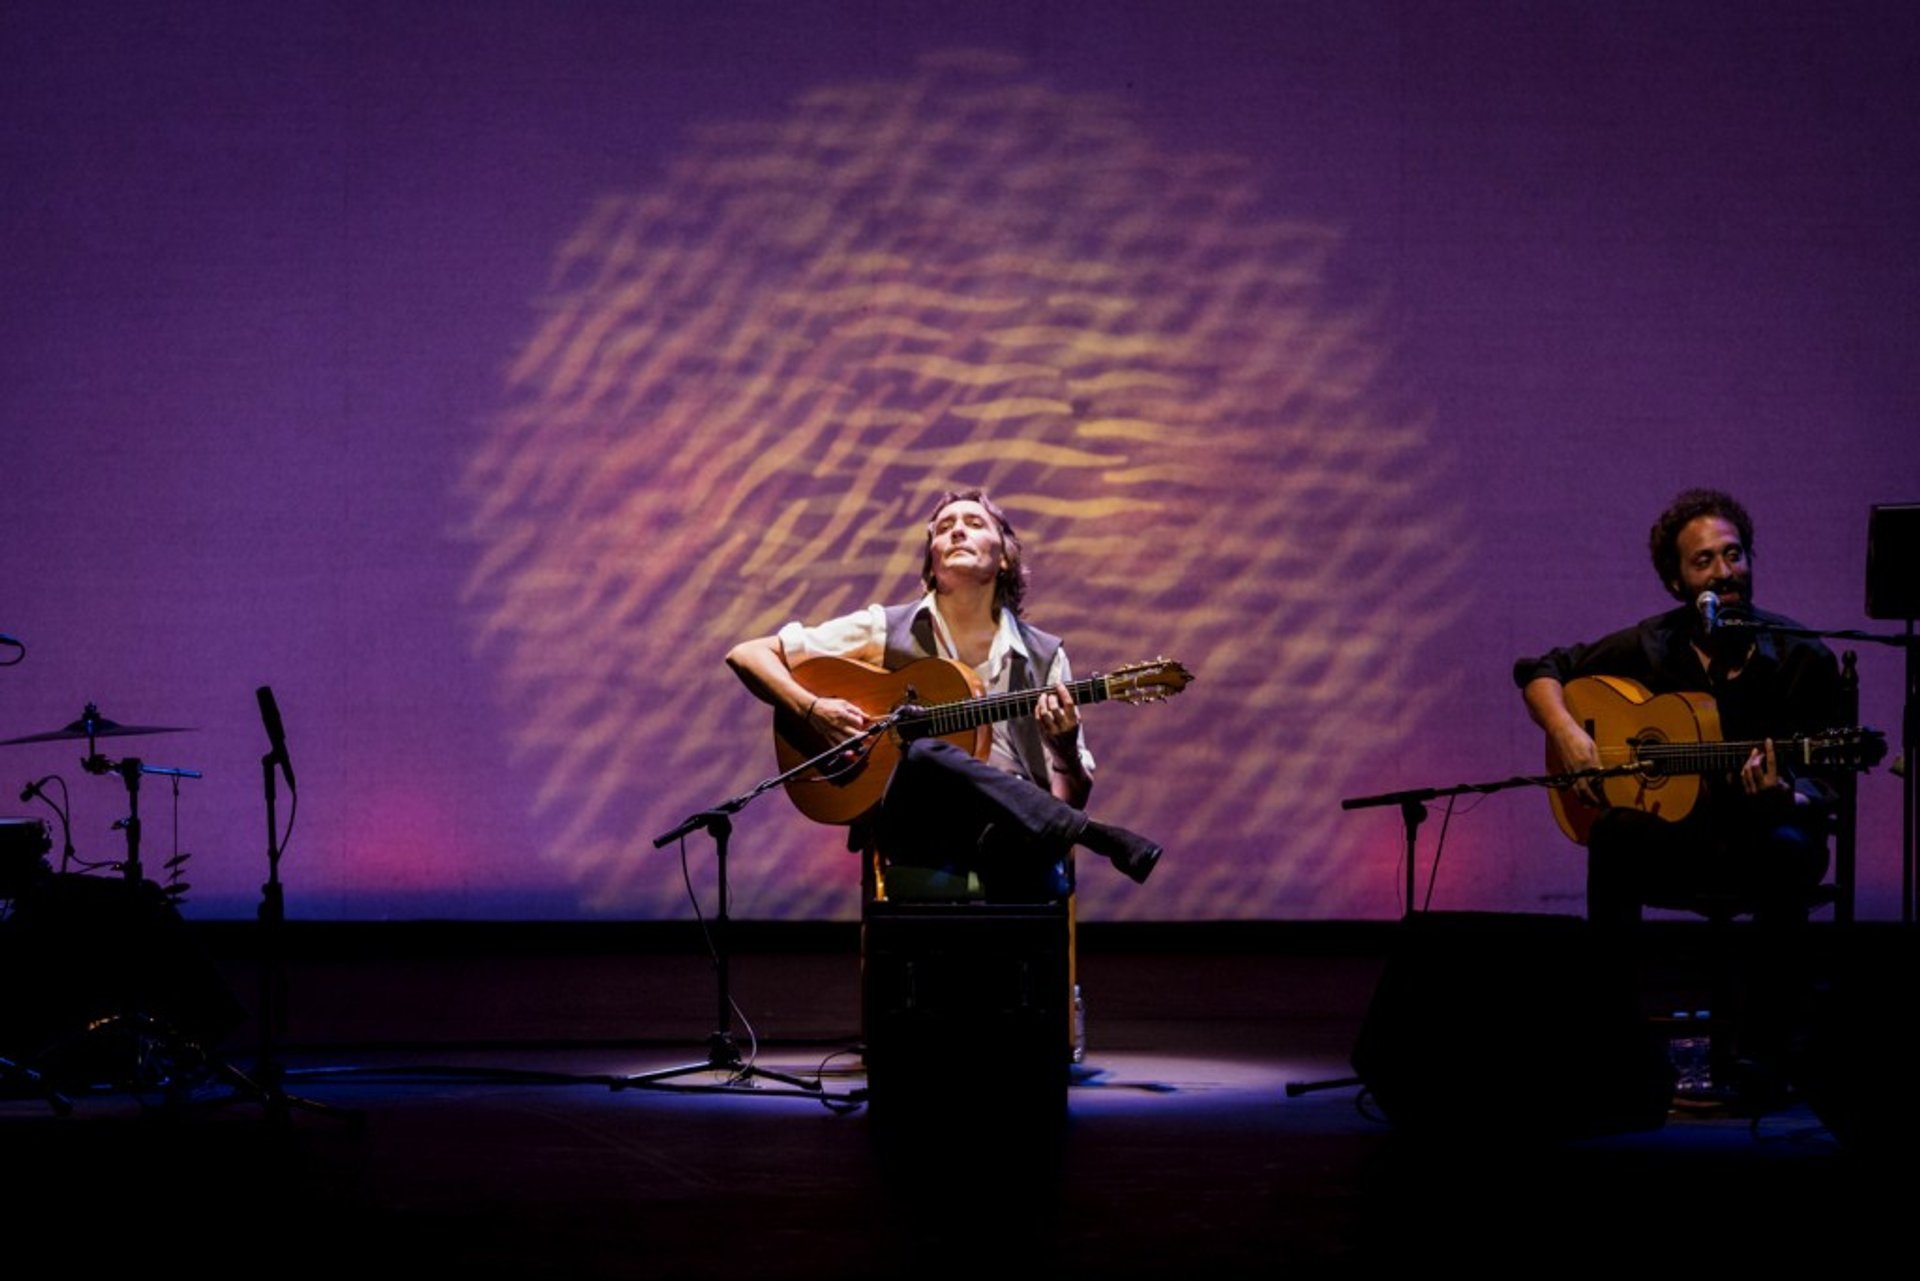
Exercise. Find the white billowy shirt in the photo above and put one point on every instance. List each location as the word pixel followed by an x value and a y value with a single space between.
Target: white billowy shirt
pixel 862 638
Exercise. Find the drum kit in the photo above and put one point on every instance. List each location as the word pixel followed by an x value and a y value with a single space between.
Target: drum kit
pixel 18 863
pixel 109 993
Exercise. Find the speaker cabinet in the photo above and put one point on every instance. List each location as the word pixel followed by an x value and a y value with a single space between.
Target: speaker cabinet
pixel 1857 1073
pixel 1511 1026
pixel 1893 561
pixel 966 1009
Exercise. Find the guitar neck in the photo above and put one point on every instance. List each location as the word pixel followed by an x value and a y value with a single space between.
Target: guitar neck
pixel 942 719
pixel 1722 757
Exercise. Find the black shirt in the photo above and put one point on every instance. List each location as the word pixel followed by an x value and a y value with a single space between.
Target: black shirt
pixel 1787 686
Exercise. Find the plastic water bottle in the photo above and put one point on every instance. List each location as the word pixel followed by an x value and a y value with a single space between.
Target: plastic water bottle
pixel 1690 1051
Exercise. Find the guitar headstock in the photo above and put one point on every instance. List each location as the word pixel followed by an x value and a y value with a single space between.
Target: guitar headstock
pixel 1147 682
pixel 1860 749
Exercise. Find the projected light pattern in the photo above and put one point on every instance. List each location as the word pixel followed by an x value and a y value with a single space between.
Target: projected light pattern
pixel 748 381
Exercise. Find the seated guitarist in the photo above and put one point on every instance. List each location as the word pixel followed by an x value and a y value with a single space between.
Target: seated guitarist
pixel 1014 817
pixel 1759 835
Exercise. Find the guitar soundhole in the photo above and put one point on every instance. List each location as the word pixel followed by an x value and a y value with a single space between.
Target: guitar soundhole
pixel 1655 776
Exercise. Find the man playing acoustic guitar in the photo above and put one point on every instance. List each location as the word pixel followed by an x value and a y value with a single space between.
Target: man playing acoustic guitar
pixel 1745 827
pixel 1012 817
pixel 1759 832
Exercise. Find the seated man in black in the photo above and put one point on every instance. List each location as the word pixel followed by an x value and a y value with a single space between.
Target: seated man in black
pixel 1757 837
pixel 1014 817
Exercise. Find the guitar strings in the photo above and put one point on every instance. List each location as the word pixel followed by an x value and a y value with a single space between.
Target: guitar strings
pixel 966 713
pixel 948 718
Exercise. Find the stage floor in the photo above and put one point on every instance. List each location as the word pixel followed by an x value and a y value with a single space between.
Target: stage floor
pixel 499 1115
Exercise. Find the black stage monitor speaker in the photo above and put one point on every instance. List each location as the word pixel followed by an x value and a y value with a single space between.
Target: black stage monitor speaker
pixel 1893 561
pixel 1857 1070
pixel 966 1011
pixel 1510 1027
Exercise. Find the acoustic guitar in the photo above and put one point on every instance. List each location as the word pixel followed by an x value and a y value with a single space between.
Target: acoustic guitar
pixel 929 698
pixel 1667 742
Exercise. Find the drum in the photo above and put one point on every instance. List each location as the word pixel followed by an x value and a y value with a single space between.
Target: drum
pixel 24 843
pixel 78 951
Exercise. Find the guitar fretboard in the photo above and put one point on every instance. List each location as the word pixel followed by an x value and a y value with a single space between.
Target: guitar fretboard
pixel 1725 757
pixel 942 719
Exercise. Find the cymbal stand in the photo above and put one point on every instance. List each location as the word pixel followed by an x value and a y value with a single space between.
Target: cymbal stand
pixel 130 769
pixel 723 1054
pixel 149 1034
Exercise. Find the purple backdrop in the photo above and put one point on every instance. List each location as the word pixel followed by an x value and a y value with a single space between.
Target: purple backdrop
pixel 474 374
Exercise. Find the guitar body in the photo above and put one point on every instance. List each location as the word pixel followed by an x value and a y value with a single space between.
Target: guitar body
pixel 843 793
pixel 928 698
pixel 1622 716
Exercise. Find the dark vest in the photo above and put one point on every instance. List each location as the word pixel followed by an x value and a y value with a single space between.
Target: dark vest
pixel 910 638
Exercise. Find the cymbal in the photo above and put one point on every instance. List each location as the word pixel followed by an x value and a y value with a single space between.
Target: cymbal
pixel 93 725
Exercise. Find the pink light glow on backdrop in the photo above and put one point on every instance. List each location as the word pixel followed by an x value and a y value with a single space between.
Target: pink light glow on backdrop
pixel 474 375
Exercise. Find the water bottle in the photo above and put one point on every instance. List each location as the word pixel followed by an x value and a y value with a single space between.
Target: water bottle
pixel 1690 1052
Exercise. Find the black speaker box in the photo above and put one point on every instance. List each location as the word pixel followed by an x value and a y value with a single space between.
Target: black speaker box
pixel 1893 561
pixel 966 1009
pixel 1857 1071
pixel 1515 1027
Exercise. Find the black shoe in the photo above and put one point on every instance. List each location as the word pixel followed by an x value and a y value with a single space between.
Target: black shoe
pixel 1132 853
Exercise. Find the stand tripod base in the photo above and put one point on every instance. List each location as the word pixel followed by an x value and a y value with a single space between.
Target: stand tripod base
pixel 1297 1088
pixel 723 1055
pixel 264 1089
pixel 135 1054
pixel 144 1057
pixel 18 1081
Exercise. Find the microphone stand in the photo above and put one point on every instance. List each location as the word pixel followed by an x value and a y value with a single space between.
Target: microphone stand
pixel 267 1085
pixel 1413 812
pixel 723 1054
pixel 269 1075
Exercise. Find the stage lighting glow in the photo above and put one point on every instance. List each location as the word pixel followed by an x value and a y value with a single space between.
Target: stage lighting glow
pixel 747 381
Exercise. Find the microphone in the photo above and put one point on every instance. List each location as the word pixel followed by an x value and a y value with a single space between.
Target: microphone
pixel 276 735
pixel 30 791
pixel 1708 603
